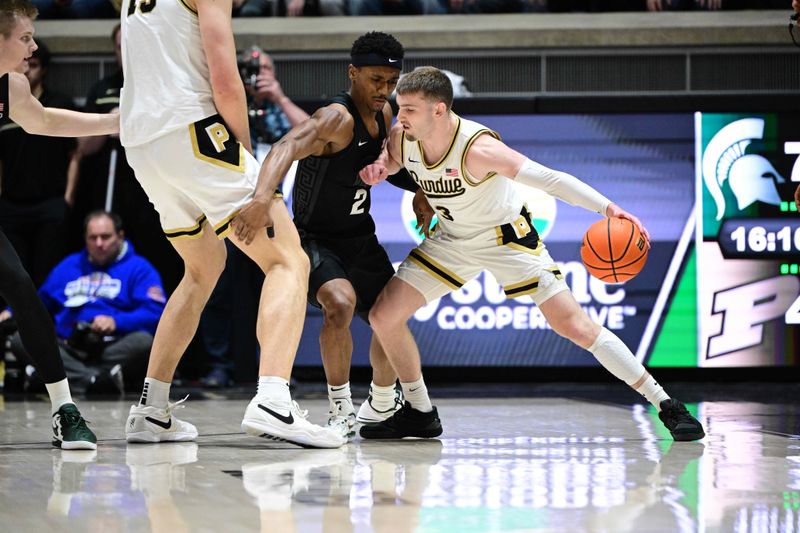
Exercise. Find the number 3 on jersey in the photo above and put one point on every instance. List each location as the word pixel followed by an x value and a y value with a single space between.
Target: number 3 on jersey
pixel 145 6
pixel 358 201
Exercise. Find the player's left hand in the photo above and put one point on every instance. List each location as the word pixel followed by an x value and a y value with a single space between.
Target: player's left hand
pixel 616 211
pixel 104 324
pixel 424 212
pixel 253 217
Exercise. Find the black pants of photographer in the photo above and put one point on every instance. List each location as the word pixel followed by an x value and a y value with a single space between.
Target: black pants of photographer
pixel 94 375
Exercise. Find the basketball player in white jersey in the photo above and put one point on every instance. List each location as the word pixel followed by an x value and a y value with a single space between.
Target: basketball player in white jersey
pixel 466 172
pixel 185 130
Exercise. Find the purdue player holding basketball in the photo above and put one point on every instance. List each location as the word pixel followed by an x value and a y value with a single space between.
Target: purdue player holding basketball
pixel 465 171
pixel 16 288
pixel 331 211
pixel 185 130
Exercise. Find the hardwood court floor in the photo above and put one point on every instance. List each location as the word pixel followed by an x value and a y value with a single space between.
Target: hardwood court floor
pixel 502 465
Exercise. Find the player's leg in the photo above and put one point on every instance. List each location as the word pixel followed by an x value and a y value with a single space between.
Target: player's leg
pixel 38 337
pixel 418 418
pixel 431 270
pixel 569 320
pixel 271 413
pixel 203 259
pixel 371 270
pixel 330 289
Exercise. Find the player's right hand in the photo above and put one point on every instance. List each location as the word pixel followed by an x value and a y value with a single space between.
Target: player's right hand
pixel 373 174
pixel 253 217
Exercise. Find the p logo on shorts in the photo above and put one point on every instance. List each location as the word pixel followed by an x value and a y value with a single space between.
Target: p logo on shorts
pixel 212 142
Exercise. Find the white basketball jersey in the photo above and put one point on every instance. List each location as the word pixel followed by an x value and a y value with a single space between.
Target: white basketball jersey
pixel 166 74
pixel 465 205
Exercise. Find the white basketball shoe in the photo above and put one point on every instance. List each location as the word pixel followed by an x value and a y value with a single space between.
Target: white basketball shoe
pixel 286 422
pixel 342 413
pixel 157 424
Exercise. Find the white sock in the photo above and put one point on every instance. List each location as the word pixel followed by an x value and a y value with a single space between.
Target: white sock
pixel 620 361
pixel 339 392
pixel 59 394
pixel 273 389
pixel 654 393
pixel 382 397
pixel 155 393
pixel 416 393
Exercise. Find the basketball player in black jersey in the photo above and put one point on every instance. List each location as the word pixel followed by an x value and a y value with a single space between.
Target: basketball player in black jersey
pixel 35 326
pixel 331 211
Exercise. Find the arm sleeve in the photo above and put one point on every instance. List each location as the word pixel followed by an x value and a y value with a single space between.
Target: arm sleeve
pixel 563 186
pixel 403 180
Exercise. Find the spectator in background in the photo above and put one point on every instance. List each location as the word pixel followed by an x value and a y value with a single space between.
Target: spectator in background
pixel 397 7
pixel 683 5
pixel 36 194
pixel 106 301
pixel 272 113
pixel 289 8
pixel 89 170
pixel 76 9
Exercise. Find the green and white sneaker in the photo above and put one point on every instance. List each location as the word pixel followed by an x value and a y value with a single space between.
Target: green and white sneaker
pixel 371 413
pixel 70 431
pixel 342 413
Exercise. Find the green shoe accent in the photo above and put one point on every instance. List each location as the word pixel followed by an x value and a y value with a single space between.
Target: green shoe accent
pixel 70 431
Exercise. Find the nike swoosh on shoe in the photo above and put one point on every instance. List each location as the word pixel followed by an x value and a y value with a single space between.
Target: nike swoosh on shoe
pixel 283 418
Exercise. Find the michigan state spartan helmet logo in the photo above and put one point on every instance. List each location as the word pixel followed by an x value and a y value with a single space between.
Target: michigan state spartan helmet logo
pixel 751 177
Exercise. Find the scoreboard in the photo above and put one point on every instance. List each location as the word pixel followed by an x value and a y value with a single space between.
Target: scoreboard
pixel 748 235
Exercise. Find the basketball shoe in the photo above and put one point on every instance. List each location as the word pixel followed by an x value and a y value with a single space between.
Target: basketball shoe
pixel 342 412
pixel 406 422
pixel 370 413
pixel 157 424
pixel 286 422
pixel 679 421
pixel 70 431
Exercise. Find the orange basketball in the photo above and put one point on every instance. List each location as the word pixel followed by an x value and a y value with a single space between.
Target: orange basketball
pixel 613 250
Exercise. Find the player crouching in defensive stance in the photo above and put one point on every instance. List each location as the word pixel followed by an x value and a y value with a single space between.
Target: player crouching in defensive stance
pixel 466 173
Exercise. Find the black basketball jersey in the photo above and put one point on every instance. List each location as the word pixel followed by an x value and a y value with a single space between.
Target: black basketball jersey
pixel 4 103
pixel 329 199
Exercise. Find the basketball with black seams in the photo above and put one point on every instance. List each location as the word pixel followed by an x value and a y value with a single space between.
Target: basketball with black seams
pixel 613 250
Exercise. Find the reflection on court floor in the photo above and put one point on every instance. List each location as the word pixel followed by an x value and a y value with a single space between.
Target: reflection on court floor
pixel 502 465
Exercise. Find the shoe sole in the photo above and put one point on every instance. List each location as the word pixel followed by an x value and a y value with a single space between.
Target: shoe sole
pixel 148 436
pixel 256 429
pixel 421 435
pixel 688 436
pixel 75 445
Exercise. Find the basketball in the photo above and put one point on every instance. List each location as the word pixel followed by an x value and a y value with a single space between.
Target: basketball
pixel 613 250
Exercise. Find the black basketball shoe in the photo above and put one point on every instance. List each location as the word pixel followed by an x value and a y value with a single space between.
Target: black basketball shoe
pixel 679 421
pixel 406 422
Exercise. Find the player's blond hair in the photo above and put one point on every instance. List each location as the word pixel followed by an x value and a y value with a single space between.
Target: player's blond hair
pixel 11 11
pixel 432 83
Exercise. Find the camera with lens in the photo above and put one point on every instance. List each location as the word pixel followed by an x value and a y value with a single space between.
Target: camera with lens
pixel 249 63
pixel 83 338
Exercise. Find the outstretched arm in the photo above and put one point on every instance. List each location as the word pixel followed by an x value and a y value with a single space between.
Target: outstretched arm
pixel 325 126
pixel 488 154
pixel 34 118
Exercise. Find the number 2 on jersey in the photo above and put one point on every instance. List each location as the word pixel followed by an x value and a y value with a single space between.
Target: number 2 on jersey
pixel 145 6
pixel 358 200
